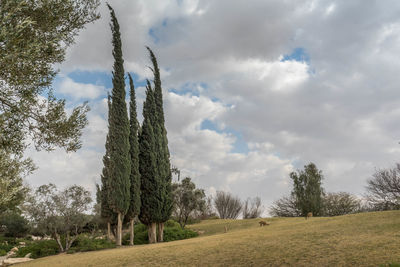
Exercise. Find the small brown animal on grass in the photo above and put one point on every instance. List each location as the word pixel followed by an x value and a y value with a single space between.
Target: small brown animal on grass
pixel 263 223
pixel 309 215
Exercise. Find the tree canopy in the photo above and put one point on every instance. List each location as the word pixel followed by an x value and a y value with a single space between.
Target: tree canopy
pixel 34 35
pixel 307 190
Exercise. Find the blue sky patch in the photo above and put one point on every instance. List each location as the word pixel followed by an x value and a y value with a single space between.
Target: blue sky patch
pixel 240 146
pixel 298 54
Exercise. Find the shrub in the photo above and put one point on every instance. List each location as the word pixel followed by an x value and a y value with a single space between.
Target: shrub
pixel 5 247
pixel 172 232
pixel 39 249
pixel 141 236
pixel 3 252
pixel 84 243
pixel 177 233
pixel 171 223
pixel 14 224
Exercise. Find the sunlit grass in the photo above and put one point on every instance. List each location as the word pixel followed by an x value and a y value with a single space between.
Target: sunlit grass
pixel 368 239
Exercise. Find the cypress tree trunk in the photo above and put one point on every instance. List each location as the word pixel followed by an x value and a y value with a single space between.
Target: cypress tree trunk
pixel 109 231
pixel 152 233
pixel 132 230
pixel 160 232
pixel 119 230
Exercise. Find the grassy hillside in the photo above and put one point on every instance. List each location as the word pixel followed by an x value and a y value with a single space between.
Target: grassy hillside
pixel 368 239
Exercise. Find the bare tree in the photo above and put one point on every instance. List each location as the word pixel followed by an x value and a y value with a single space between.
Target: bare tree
pixel 285 207
pixel 341 203
pixel 227 205
pixel 384 189
pixel 252 208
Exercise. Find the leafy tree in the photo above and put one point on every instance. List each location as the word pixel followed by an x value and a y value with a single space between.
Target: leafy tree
pixel 208 210
pixel 341 203
pixel 285 207
pixel 307 190
pixel 134 207
pixel 34 36
pixel 12 224
pixel 383 189
pixel 162 151
pixel 252 208
pixel 120 162
pixel 187 200
pixel 150 184
pixel 12 172
pixel 227 205
pixel 59 214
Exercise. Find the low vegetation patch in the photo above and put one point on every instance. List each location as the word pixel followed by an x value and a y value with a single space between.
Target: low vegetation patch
pixel 39 249
pixel 172 232
pixel 84 243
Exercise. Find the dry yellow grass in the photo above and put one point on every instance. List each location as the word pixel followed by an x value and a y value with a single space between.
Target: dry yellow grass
pixel 367 239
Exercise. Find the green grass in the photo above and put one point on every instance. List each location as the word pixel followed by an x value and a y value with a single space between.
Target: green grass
pixel 368 239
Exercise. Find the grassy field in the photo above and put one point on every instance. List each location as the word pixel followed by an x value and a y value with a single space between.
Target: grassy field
pixel 368 239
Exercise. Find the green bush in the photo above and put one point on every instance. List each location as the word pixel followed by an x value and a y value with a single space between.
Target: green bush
pixel 171 223
pixel 14 224
pixel 3 252
pixel 140 235
pixel 84 243
pixel 39 249
pixel 5 247
pixel 177 233
pixel 172 232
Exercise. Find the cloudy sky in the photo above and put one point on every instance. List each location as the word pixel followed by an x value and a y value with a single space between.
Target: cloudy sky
pixel 252 90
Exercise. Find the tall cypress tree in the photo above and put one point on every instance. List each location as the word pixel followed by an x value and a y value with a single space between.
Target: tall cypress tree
pixel 120 167
pixel 134 207
pixel 162 151
pixel 106 213
pixel 151 203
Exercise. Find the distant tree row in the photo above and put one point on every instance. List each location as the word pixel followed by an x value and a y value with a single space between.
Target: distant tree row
pixel 383 193
pixel 136 178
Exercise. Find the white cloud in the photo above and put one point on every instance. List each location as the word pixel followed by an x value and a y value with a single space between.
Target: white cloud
pixel 79 91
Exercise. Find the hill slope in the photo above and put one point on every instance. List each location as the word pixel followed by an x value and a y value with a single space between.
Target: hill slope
pixel 367 239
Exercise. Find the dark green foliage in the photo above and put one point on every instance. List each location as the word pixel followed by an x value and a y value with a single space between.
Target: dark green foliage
pixel 83 243
pixel 177 233
pixel 162 152
pixel 151 202
pixel 134 207
pixel 106 213
pixel 172 232
pixel 141 236
pixel 39 249
pixel 5 248
pixel 307 190
pixel 13 224
pixel 119 172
